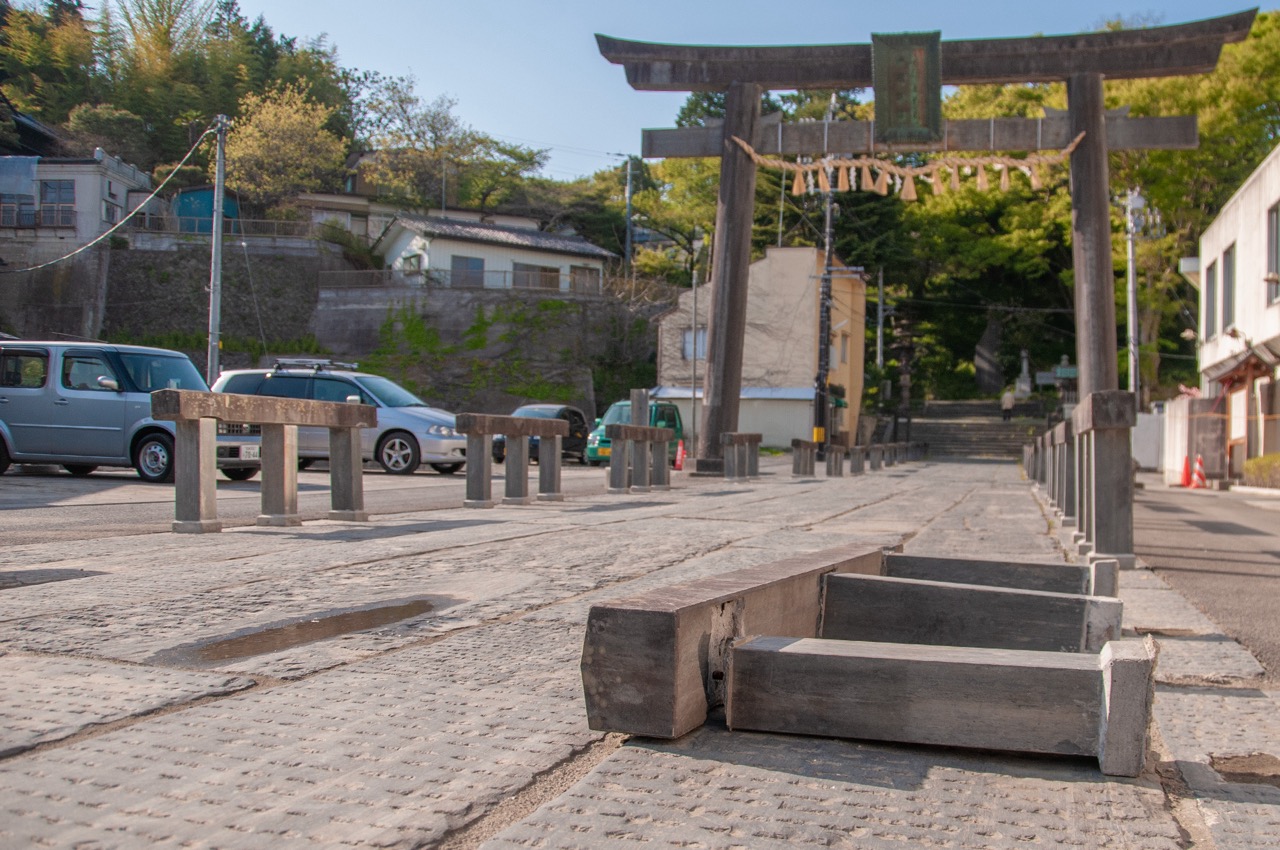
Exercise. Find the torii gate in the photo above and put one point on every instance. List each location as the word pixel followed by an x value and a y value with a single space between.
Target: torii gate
pixel 1081 61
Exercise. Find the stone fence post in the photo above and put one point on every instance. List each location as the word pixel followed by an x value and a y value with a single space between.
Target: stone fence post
pixel 481 429
pixel 1104 421
pixel 624 440
pixel 197 414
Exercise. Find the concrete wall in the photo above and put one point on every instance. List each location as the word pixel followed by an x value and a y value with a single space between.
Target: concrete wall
pixel 780 351
pixel 1148 441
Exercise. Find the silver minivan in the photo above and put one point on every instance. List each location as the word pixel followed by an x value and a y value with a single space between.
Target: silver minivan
pixel 88 404
pixel 409 432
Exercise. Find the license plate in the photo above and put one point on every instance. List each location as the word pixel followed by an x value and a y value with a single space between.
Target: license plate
pixel 604 451
pixel 250 452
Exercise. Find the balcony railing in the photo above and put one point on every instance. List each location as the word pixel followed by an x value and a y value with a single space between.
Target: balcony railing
pixel 576 283
pixel 61 215
pixel 232 227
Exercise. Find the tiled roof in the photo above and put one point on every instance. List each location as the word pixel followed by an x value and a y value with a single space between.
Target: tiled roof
pixel 514 237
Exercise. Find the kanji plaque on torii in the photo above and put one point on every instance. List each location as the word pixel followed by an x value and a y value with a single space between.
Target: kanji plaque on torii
pixel 1081 61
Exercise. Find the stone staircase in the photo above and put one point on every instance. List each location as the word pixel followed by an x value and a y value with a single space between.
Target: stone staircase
pixel 976 428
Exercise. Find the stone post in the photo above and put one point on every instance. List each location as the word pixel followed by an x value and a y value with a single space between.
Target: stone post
pixel 479 472
pixel 640 448
pixel 660 479
pixel 549 453
pixel 619 463
pixel 1107 418
pixel 346 476
pixel 516 491
pixel 279 476
pixel 195 470
pixel 1064 434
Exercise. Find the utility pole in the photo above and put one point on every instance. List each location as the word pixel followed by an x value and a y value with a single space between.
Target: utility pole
pixel 215 261
pixel 880 322
pixel 628 248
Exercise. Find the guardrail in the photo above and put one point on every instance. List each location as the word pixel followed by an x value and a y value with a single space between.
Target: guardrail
pixel 197 415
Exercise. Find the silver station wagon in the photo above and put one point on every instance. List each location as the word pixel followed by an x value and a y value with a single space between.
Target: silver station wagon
pixel 87 404
pixel 409 433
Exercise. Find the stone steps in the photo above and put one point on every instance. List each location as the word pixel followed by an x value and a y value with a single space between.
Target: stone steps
pixel 974 437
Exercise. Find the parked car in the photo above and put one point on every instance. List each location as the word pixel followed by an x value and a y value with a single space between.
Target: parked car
pixel 409 432
pixel 86 404
pixel 662 414
pixel 574 445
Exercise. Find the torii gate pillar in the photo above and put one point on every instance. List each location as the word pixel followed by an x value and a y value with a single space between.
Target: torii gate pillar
pixel 1095 301
pixel 730 264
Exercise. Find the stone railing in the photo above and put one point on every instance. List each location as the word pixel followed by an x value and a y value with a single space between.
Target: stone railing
pixel 741 455
pixel 638 458
pixel 481 429
pixel 197 415
pixel 1084 468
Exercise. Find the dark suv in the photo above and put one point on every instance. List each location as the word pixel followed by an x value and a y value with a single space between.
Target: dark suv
pixel 574 445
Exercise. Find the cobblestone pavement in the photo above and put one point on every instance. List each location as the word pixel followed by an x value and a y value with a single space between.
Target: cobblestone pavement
pixel 414 683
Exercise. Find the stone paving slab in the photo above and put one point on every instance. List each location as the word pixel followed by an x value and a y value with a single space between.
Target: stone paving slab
pixel 1200 724
pixel 1164 612
pixel 49 699
pixel 715 789
pixel 391 752
pixel 1205 658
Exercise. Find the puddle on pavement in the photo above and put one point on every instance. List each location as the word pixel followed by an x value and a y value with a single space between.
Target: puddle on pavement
pixel 1256 768
pixel 291 635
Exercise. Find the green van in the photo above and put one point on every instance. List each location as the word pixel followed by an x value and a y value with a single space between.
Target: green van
pixel 662 414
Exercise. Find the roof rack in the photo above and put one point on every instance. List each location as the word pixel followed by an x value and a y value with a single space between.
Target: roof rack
pixel 313 363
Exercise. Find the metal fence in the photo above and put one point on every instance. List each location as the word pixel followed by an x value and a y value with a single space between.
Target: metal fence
pixel 540 281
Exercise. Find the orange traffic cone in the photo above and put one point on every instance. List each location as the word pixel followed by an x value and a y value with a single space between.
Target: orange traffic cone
pixel 679 456
pixel 1199 482
pixel 1186 471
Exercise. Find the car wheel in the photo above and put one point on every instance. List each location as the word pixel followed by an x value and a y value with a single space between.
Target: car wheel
pixel 398 453
pixel 240 473
pixel 4 457
pixel 153 458
pixel 499 457
pixel 594 462
pixel 582 460
pixel 305 462
pixel 79 469
pixel 446 468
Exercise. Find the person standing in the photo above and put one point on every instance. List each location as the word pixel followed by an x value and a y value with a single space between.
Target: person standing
pixel 1006 405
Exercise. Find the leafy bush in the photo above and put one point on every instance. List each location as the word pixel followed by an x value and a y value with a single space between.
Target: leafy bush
pixel 1262 471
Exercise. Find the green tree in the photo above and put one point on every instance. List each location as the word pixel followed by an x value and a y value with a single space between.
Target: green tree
pixel 279 147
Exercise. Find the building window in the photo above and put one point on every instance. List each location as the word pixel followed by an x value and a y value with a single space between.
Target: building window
pixel 1273 254
pixel 58 203
pixel 17 210
pixel 466 271
pixel 526 276
pixel 686 344
pixel 1211 301
pixel 411 263
pixel 844 348
pixel 110 212
pixel 584 279
pixel 1229 288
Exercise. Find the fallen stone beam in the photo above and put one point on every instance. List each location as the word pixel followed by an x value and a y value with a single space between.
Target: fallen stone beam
pixel 1039 702
pixel 1096 579
pixel 654 664
pixel 900 610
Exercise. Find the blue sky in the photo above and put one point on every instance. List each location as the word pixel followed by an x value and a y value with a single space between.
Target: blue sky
pixel 530 72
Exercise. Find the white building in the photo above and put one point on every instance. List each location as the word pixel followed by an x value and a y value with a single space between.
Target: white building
pixel 59 201
pixel 780 348
pixel 1238 275
pixel 481 255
